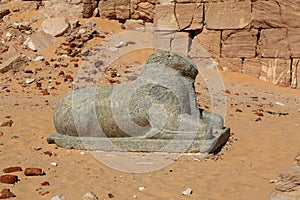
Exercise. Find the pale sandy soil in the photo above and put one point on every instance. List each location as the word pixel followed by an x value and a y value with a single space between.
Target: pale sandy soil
pixel 241 171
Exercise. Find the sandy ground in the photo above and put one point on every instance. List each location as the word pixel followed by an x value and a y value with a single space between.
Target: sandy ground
pixel 242 170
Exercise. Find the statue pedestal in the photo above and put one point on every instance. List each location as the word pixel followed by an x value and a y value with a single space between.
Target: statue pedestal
pixel 131 144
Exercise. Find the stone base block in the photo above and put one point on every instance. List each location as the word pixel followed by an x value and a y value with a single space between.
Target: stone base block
pixel 133 144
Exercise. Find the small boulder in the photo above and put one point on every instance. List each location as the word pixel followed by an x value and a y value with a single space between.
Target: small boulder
pixel 6 194
pixel 55 26
pixel 3 12
pixel 288 185
pixel 39 41
pixel 289 180
pixel 58 197
pixel 15 63
pixel 8 179
pixel 89 196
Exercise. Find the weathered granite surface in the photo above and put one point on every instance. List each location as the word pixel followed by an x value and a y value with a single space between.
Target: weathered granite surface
pixel 156 112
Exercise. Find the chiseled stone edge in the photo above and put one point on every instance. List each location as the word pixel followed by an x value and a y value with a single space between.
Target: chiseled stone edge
pixel 133 144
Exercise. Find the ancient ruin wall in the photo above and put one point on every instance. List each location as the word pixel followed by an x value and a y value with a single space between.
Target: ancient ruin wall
pixel 257 37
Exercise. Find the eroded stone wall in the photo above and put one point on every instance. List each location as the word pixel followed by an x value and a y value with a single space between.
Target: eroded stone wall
pixel 255 37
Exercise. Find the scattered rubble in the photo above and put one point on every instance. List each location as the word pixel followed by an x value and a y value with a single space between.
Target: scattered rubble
pixel 58 197
pixel 6 194
pixel 8 179
pixel 34 172
pixel 45 183
pixel 187 192
pixel 89 196
pixel 111 196
pixel 12 169
pixel 7 123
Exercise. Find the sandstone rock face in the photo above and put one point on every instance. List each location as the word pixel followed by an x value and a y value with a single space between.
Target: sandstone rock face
pixel 132 24
pixel 267 14
pixel 189 16
pixel 239 43
pixel 56 8
pixel 274 43
pixel 179 16
pixel 143 10
pixel 173 41
pixel 290 12
pixel 228 15
pixel 88 8
pixel 55 26
pixel 230 64
pixel 276 71
pixel 115 9
pixel 211 41
pixel 295 74
pixel 165 18
pixel 294 42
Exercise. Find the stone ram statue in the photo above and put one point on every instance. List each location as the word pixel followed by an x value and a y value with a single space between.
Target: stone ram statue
pixel 157 112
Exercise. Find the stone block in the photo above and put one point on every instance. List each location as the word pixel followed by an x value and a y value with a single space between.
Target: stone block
pixel 276 71
pixel 75 2
pixel 112 9
pixel 132 24
pixel 173 41
pixel 273 43
pixel 39 41
pixel 180 43
pixel 122 9
pixel 142 10
pixel 197 1
pixel 211 41
pixel 189 16
pixel 55 26
pixel 230 64
pixel 87 10
pixel 107 9
pixel 227 15
pixel 290 12
pixel 295 74
pixel 294 42
pixel 239 43
pixel 165 18
pixel 266 14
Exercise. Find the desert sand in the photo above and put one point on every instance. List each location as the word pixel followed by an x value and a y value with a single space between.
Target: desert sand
pixel 259 148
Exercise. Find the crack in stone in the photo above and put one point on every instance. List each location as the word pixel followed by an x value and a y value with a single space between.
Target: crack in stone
pixel 176 15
